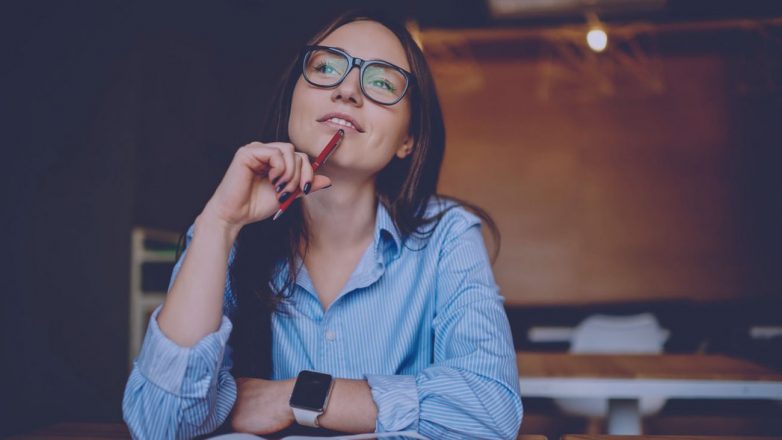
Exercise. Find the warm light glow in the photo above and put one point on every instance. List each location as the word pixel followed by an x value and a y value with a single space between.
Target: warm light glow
pixel 597 39
pixel 415 32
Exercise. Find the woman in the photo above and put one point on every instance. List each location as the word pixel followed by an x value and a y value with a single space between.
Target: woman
pixel 375 281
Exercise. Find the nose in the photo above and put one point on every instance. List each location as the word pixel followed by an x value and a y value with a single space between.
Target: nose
pixel 349 90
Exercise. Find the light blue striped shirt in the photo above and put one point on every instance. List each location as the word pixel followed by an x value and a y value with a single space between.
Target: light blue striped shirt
pixel 421 320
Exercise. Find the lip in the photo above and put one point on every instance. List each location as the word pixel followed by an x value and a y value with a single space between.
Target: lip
pixel 325 119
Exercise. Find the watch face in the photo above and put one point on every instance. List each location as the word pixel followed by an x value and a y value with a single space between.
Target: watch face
pixel 311 390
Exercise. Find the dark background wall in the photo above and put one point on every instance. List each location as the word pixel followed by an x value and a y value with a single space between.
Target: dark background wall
pixel 68 109
pixel 118 114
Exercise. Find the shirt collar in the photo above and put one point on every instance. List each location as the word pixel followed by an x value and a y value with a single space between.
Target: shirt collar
pixel 387 244
pixel 388 239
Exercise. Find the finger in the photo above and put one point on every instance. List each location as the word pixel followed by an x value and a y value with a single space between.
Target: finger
pixel 281 180
pixel 320 182
pixel 277 165
pixel 305 183
pixel 261 159
pixel 293 184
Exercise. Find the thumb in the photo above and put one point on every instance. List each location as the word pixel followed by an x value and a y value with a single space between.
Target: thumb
pixel 320 182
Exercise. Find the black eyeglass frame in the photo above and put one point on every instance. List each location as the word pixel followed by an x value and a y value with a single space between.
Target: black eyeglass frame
pixel 362 66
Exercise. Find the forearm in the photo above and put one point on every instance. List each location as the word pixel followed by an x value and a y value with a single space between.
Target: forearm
pixel 351 408
pixel 193 306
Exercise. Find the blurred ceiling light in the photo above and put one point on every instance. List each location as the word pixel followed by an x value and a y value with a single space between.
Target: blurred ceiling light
pixel 597 39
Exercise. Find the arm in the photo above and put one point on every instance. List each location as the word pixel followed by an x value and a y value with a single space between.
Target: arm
pixel 245 195
pixel 193 306
pixel 472 388
pixel 177 391
pixel 178 387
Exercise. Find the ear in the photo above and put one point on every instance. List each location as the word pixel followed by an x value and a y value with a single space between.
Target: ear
pixel 406 148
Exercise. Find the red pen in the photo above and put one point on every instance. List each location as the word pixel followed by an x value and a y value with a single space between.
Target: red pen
pixel 322 157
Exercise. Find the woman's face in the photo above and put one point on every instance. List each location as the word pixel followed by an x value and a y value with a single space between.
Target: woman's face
pixel 380 132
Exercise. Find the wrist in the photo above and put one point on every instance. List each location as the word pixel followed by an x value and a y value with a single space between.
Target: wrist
pixel 310 396
pixel 287 390
pixel 207 221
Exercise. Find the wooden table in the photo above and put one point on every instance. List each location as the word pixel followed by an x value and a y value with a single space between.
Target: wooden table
pixel 624 379
pixel 660 437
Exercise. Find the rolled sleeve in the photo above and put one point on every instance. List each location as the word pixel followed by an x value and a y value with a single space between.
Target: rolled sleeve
pixel 166 364
pixel 176 392
pixel 396 398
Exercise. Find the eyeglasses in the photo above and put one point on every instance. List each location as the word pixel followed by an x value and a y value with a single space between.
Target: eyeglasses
pixel 382 82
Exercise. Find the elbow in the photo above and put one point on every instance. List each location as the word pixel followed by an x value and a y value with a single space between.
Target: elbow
pixel 507 421
pixel 133 414
pixel 511 429
pixel 515 426
pixel 147 411
pixel 151 413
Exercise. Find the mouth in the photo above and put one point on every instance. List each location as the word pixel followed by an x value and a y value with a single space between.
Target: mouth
pixel 341 120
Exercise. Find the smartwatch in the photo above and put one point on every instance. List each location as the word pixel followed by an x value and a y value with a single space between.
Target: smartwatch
pixel 310 397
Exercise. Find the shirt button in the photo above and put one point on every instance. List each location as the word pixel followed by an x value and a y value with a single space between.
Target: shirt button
pixel 330 335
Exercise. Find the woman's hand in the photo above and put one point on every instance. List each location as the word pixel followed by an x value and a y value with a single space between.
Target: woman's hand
pixel 258 176
pixel 262 405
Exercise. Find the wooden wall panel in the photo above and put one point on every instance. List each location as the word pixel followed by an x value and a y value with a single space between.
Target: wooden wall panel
pixel 633 194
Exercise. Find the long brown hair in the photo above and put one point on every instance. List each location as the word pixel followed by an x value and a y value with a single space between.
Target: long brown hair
pixel 404 187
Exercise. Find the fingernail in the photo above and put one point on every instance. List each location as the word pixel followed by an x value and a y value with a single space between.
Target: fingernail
pixel 274 182
pixel 307 187
pixel 284 197
pixel 281 186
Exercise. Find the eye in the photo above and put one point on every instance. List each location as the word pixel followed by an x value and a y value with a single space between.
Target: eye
pixel 325 68
pixel 382 83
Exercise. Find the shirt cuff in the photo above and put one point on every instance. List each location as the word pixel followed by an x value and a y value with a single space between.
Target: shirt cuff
pixel 396 398
pixel 165 363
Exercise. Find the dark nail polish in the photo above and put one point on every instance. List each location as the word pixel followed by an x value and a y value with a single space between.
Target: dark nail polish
pixel 307 187
pixel 284 197
pixel 274 182
pixel 281 186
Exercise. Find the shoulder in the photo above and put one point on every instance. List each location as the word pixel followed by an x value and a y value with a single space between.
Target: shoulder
pixel 453 214
pixel 450 219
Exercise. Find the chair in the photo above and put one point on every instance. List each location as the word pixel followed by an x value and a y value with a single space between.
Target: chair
pixel 636 334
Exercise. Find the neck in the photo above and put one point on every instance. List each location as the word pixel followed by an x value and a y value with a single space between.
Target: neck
pixel 342 216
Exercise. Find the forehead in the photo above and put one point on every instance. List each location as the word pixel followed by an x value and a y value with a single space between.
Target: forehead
pixel 368 40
